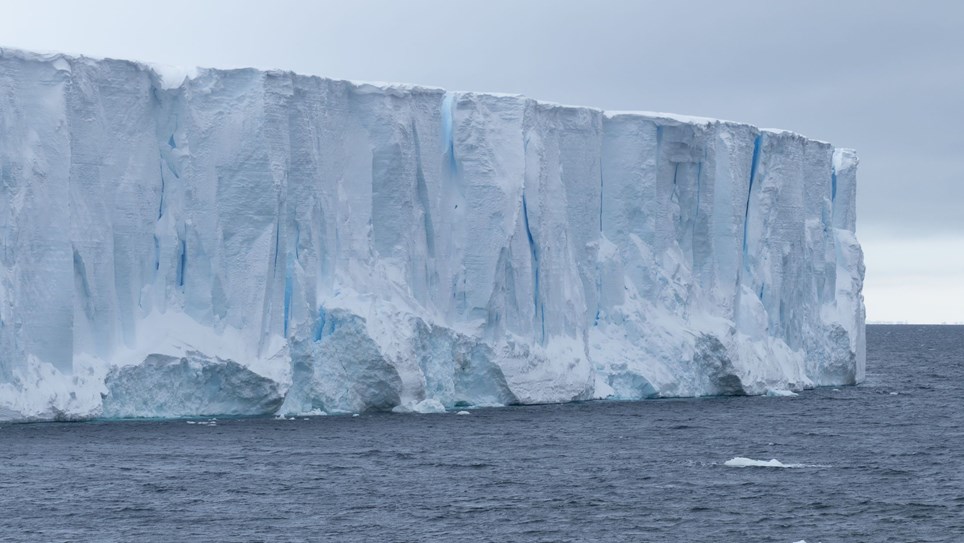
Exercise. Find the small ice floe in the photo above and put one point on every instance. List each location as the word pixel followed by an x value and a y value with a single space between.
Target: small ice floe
pixel 354 414
pixel 780 393
pixel 463 413
pixel 742 462
pixel 192 422
pixel 894 393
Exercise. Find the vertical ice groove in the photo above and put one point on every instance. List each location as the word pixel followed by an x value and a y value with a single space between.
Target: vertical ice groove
pixel 699 180
pixel 833 183
pixel 601 187
pixel 754 164
pixel 448 129
pixel 659 146
pixel 534 255
pixel 422 191
pixel 290 258
pixel 181 261
pixel 80 272
pixel 297 241
pixel 160 207
pixel 320 324
pixel 288 270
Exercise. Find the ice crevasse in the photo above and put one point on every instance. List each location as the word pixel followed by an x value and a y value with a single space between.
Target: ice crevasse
pixel 251 242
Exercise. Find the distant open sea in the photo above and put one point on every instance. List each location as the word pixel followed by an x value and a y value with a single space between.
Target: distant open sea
pixel 883 461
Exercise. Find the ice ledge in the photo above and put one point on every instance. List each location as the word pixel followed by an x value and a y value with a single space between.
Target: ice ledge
pixel 171 77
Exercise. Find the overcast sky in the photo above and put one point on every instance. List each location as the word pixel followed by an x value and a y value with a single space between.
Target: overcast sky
pixel 884 77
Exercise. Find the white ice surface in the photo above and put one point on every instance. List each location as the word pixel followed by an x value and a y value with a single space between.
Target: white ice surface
pixel 368 246
pixel 741 462
pixel 781 393
pixel 429 405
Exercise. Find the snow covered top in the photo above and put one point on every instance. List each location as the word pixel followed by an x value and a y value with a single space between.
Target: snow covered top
pixel 172 77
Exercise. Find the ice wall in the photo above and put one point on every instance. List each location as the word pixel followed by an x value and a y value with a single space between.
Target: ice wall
pixel 369 246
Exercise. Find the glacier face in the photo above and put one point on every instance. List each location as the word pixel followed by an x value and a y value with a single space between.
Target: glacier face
pixel 365 246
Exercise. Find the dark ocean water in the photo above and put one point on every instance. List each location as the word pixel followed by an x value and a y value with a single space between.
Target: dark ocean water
pixel 883 462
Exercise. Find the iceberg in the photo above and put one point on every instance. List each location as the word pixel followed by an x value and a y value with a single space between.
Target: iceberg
pixel 207 242
pixel 188 386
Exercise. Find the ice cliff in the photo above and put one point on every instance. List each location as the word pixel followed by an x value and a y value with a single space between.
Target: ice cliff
pixel 251 242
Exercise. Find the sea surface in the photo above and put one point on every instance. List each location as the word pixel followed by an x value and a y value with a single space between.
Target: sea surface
pixel 883 461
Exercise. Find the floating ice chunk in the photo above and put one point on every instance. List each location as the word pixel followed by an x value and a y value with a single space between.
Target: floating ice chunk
pixel 743 462
pixel 463 413
pixel 188 386
pixel 780 393
pixel 459 369
pixel 341 369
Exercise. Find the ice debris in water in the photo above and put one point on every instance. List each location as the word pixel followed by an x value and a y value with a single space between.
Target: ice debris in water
pixel 780 393
pixel 742 462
